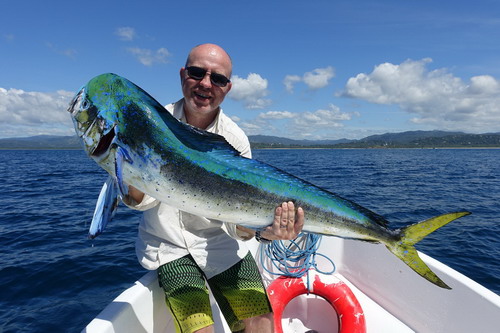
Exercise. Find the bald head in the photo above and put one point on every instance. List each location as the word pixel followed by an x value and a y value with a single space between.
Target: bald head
pixel 211 52
pixel 202 97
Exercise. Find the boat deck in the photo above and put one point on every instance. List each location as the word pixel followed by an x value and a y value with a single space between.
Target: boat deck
pixel 305 312
pixel 392 296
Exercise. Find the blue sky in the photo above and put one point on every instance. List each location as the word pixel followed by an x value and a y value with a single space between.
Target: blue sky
pixel 301 69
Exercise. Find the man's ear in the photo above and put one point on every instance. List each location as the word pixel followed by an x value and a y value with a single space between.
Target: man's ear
pixel 182 75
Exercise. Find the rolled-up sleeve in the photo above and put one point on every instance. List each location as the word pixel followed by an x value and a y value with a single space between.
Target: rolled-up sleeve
pixel 146 203
pixel 232 230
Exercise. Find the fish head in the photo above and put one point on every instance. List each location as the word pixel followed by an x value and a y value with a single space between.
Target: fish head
pixel 94 114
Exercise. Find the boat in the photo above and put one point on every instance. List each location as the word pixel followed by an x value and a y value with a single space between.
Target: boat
pixel 392 297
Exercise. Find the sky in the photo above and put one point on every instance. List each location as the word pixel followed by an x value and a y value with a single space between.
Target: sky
pixel 315 69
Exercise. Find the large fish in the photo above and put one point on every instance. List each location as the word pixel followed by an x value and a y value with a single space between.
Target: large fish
pixel 138 142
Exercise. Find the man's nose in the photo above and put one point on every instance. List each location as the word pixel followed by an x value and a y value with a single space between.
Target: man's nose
pixel 205 82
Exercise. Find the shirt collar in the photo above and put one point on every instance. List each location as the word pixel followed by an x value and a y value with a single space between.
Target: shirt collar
pixel 214 127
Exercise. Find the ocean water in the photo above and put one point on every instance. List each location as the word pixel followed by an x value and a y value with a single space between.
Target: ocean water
pixel 54 279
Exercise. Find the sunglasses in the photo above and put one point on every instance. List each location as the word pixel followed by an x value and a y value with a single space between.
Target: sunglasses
pixel 198 73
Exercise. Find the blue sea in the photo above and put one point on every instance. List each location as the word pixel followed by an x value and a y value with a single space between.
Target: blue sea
pixel 54 279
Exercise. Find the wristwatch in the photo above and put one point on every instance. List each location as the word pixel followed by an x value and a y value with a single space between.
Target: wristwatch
pixel 261 239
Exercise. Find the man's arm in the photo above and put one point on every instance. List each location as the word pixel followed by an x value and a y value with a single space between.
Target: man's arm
pixel 135 193
pixel 133 197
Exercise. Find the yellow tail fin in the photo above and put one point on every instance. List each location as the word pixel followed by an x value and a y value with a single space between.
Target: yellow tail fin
pixel 404 248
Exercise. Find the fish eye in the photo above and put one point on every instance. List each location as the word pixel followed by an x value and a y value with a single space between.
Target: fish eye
pixel 86 104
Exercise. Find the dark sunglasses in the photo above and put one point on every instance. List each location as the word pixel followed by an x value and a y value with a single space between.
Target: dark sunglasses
pixel 198 73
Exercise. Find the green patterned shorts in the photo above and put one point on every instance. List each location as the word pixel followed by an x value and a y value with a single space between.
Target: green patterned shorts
pixel 239 292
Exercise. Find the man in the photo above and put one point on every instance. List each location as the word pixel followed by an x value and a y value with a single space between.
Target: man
pixel 188 250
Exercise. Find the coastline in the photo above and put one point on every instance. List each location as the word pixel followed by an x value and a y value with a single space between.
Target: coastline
pixel 403 140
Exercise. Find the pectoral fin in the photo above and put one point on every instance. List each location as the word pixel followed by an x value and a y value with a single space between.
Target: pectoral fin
pixel 106 207
pixel 122 156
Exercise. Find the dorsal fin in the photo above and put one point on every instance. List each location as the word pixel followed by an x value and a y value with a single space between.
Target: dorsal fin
pixel 190 136
pixel 202 140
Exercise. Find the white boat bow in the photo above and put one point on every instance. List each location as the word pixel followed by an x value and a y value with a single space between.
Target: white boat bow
pixel 392 296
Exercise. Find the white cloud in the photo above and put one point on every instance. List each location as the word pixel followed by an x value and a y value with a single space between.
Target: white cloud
pixel 70 53
pixel 24 113
pixel 308 124
pixel 252 91
pixel 149 57
pixel 277 115
pixel 290 80
pixel 484 85
pixel 436 97
pixel 322 118
pixel 316 79
pixel 252 128
pixel 268 122
pixel 126 33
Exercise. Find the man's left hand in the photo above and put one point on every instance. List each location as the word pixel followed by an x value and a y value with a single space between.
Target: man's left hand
pixel 287 223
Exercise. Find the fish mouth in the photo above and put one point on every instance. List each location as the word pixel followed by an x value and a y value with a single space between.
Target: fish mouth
pixel 104 143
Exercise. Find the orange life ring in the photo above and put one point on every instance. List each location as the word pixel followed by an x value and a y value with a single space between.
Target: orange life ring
pixel 283 289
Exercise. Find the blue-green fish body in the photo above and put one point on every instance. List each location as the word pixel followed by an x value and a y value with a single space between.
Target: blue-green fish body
pixel 139 143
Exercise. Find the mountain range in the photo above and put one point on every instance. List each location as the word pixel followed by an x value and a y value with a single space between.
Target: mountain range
pixel 409 139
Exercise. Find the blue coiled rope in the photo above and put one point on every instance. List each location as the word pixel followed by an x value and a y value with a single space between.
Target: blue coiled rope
pixel 294 258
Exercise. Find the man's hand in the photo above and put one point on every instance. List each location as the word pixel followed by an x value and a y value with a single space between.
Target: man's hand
pixel 287 223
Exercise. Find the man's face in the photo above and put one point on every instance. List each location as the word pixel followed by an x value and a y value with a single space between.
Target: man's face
pixel 202 96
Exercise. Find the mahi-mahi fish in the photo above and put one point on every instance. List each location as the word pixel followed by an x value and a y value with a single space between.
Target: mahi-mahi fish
pixel 139 143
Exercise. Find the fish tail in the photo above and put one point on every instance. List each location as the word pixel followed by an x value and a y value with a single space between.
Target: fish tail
pixel 404 247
